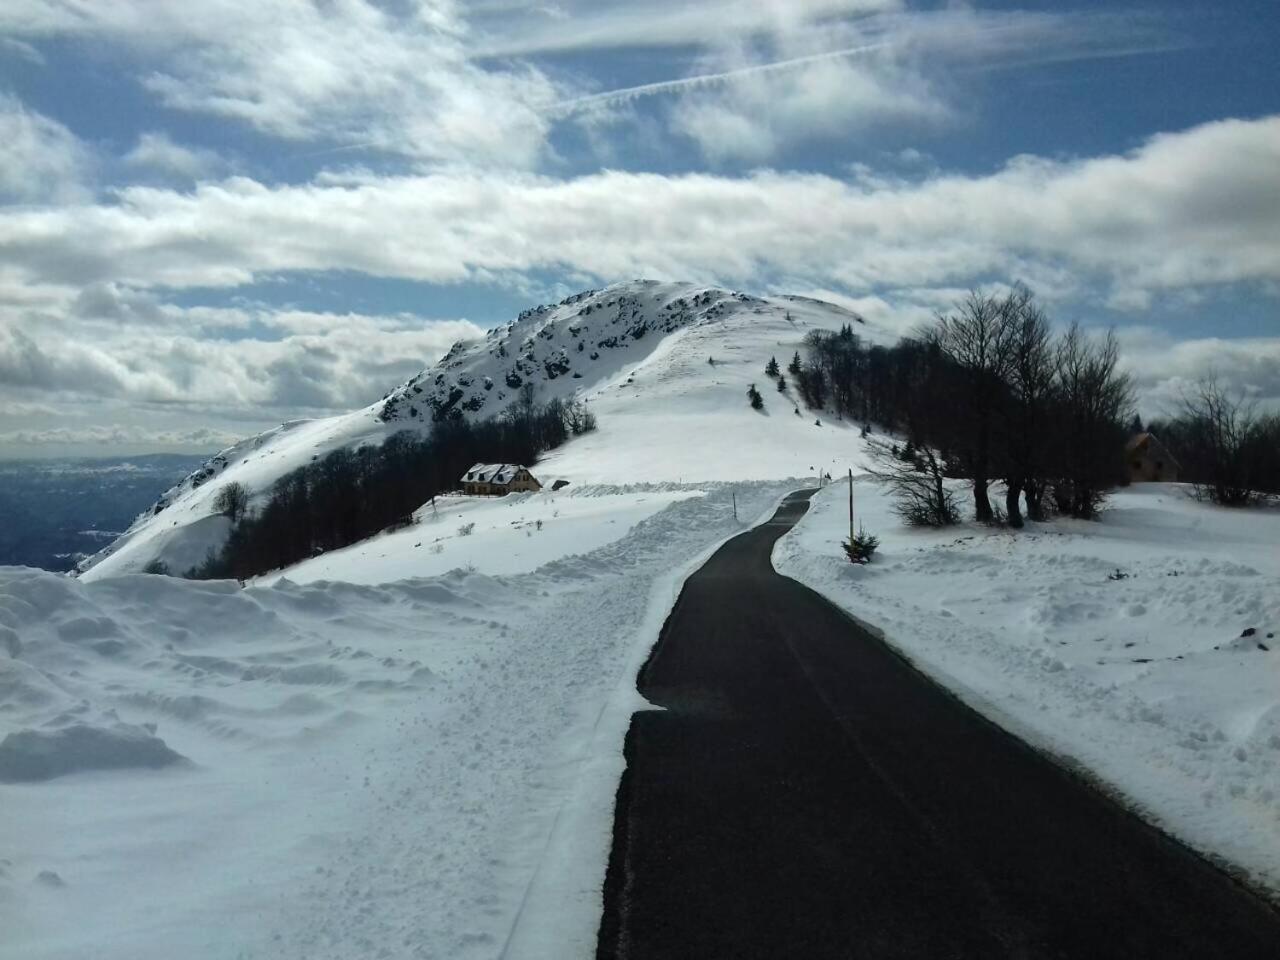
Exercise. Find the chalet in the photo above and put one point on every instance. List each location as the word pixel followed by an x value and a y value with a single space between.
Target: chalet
pixel 1146 459
pixel 498 479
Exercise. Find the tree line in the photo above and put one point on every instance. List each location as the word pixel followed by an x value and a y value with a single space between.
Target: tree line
pixel 351 494
pixel 1224 445
pixel 988 393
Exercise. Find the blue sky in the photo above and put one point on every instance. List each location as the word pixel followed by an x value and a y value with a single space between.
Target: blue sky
pixel 217 217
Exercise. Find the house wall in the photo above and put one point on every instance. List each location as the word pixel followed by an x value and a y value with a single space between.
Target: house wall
pixel 1146 468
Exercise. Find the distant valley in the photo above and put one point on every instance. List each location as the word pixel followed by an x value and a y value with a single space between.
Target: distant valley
pixel 53 512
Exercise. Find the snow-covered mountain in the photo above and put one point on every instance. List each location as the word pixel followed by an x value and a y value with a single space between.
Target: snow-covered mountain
pixel 665 367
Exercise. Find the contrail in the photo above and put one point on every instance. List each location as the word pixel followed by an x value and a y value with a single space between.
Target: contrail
pixel 625 94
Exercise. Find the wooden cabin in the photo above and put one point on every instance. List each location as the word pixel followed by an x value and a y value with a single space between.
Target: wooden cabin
pixel 498 479
pixel 1146 460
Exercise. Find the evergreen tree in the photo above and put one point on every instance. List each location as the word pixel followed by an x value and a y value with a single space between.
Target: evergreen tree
pixel 793 367
pixel 757 401
pixel 771 368
pixel 782 384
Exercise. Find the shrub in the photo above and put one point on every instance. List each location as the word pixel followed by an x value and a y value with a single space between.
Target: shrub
pixel 157 567
pixel 861 548
pixel 753 395
pixel 466 529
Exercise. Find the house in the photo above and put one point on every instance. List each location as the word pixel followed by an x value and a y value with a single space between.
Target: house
pixel 498 479
pixel 1146 459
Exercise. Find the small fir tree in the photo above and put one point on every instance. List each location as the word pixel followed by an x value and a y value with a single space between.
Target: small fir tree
pixel 782 384
pixel 771 368
pixel 861 548
pixel 793 367
pixel 757 401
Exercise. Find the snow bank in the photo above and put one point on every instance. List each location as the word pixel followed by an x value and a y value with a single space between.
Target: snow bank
pixel 418 768
pixel 1117 645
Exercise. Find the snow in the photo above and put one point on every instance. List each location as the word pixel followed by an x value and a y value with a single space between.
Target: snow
pixel 410 747
pixel 1116 645
pixel 505 535
pixel 423 767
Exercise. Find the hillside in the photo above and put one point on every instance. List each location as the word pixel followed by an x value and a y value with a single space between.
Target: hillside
pixel 665 366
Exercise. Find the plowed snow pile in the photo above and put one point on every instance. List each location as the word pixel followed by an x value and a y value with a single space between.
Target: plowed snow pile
pixel 1143 646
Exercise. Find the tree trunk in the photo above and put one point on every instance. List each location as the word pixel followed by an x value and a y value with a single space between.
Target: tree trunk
pixel 981 502
pixel 1035 501
pixel 1011 498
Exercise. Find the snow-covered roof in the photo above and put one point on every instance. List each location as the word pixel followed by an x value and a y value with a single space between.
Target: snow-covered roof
pixel 499 473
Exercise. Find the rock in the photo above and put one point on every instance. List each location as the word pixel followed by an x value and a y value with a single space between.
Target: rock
pixel 50 879
pixel 1248 632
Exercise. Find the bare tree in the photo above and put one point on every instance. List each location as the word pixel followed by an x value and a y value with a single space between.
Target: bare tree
pixel 1226 436
pixel 232 501
pixel 917 483
pixel 1094 400
pixel 979 339
pixel 1030 389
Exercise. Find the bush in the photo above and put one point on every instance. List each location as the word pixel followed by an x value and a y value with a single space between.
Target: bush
pixel 157 567
pixel 753 395
pixel 921 497
pixel 466 529
pixel 861 548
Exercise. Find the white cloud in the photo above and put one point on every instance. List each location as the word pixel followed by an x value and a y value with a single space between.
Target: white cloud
pixel 155 151
pixel 122 345
pixel 116 436
pixel 40 159
pixel 1164 368
pixel 1196 208
pixel 343 72
pixel 603 24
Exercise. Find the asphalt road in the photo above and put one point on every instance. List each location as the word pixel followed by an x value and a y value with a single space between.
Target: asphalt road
pixel 807 794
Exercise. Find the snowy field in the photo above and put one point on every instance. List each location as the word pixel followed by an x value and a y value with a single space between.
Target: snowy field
pixel 1117 645
pixel 495 535
pixel 421 768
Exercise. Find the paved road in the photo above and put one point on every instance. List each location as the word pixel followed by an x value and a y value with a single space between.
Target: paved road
pixel 808 795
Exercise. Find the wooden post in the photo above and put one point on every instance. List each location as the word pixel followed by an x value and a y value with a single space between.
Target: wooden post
pixel 735 504
pixel 850 504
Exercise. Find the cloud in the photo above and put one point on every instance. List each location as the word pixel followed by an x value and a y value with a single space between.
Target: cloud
pixel 40 159
pixel 348 72
pixel 1164 368
pixel 156 152
pixel 754 111
pixel 115 436
pixel 579 25
pixel 1184 210
pixel 183 357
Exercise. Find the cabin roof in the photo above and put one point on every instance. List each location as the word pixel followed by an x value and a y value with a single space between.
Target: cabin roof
pixel 497 473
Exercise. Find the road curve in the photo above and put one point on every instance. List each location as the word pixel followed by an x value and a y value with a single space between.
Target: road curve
pixel 807 794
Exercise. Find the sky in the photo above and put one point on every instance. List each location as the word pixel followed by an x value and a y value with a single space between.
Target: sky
pixel 215 217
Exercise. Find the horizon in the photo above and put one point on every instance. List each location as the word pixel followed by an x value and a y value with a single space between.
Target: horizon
pixel 218 221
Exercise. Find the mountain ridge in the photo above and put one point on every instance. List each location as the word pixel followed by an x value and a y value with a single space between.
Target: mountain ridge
pixel 574 348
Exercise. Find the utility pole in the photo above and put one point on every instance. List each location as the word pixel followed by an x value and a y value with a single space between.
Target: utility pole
pixel 851 504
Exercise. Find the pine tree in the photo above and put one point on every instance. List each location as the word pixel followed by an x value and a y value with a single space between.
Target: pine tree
pixel 782 384
pixel 771 368
pixel 757 401
pixel 793 367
